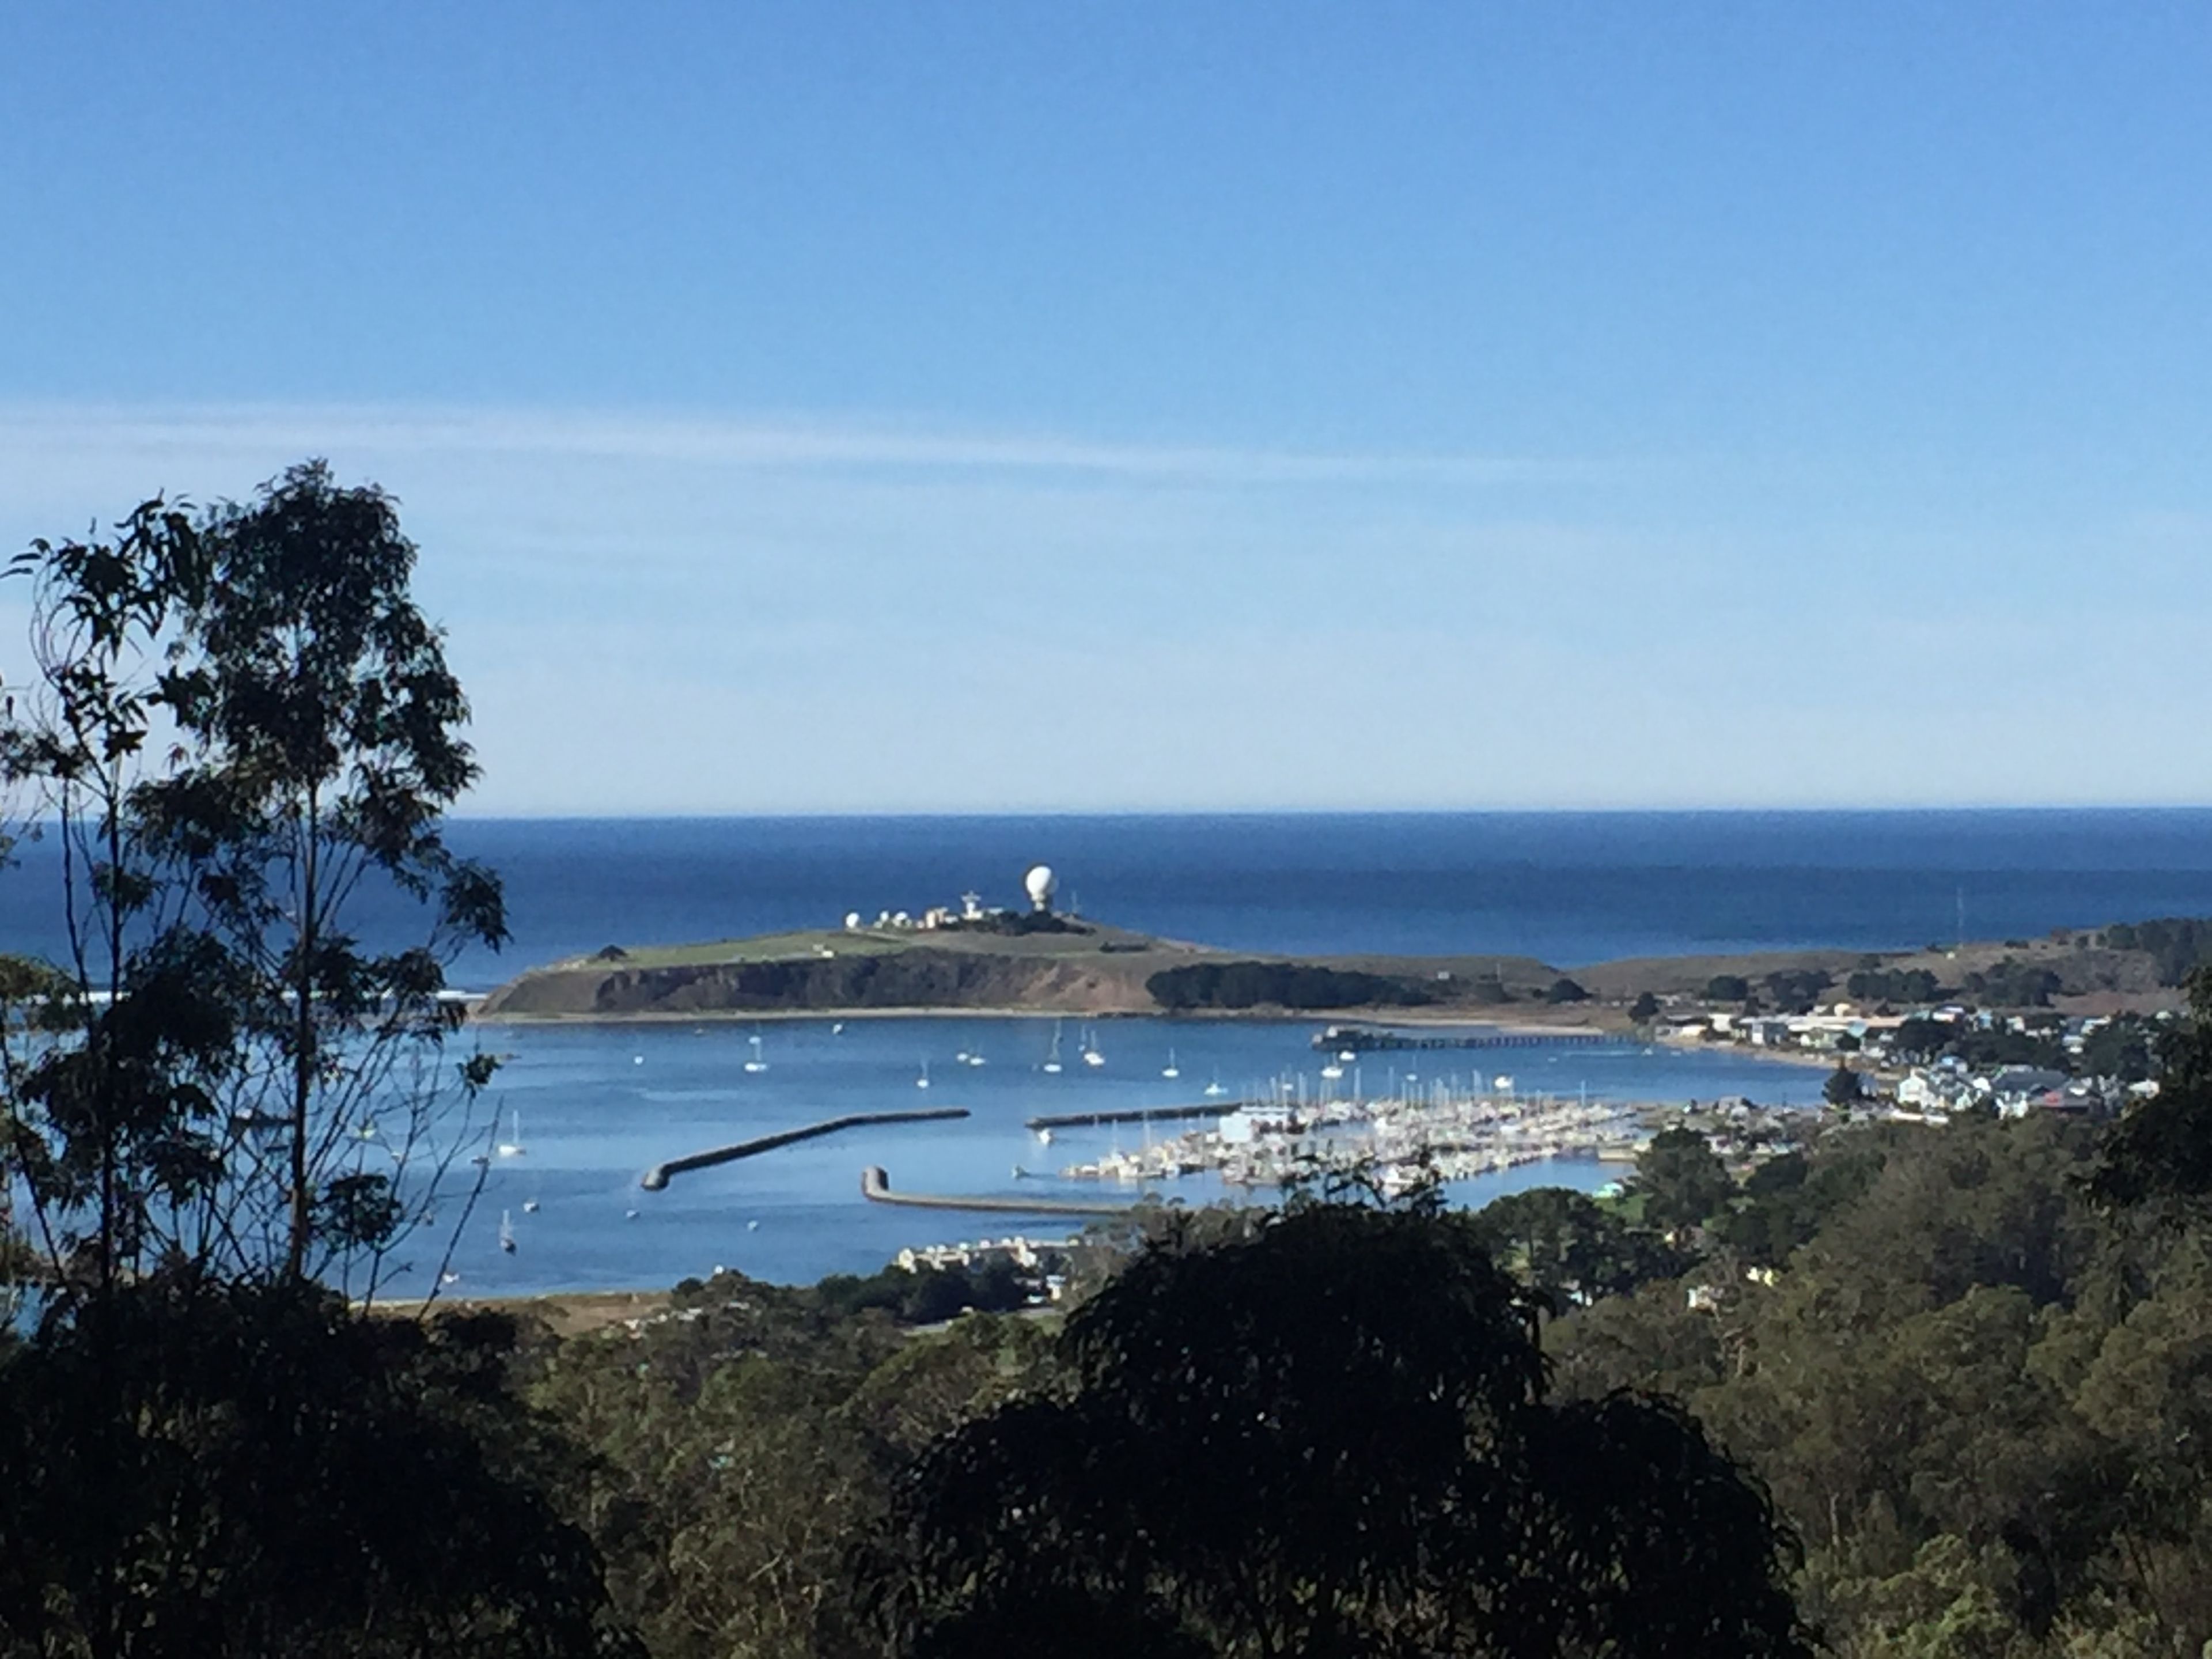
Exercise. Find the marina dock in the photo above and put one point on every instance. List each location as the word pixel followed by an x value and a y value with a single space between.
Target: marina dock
pixel 1147 1114
pixel 1361 1039
pixel 657 1178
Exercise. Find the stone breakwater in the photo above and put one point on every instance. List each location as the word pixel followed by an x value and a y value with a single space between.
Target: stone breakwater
pixel 657 1176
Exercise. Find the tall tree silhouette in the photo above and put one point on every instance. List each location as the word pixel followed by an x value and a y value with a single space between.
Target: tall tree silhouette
pixel 239 720
pixel 1331 1439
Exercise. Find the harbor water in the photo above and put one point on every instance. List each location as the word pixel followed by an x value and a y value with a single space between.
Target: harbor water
pixel 598 1105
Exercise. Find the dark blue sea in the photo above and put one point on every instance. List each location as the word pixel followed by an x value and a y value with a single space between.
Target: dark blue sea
pixel 598 1104
pixel 1569 888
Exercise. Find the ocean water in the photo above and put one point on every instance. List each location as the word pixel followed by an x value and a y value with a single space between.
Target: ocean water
pixel 1569 888
pixel 600 1104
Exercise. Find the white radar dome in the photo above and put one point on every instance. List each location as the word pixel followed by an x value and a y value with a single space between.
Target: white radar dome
pixel 1041 883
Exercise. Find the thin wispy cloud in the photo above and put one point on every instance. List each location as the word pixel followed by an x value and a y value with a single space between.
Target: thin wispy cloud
pixel 765 442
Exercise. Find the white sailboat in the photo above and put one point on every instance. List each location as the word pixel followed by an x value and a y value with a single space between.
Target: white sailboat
pixel 507 1231
pixel 923 1082
pixel 514 1148
pixel 1171 1069
pixel 1052 1056
pixel 756 1064
pixel 1214 1088
pixel 1091 1053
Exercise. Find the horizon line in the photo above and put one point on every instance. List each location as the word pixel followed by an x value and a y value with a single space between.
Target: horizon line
pixel 706 814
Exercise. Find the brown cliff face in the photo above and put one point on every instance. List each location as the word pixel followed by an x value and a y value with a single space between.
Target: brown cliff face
pixel 916 978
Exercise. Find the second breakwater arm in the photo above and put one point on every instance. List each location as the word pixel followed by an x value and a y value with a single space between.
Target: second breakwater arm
pixel 657 1178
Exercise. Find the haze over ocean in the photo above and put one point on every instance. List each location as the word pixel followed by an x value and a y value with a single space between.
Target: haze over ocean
pixel 1569 888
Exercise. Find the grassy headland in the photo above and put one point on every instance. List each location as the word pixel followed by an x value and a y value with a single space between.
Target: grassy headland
pixel 1089 968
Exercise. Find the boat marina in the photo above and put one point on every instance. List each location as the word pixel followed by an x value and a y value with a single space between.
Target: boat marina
pixel 1452 1131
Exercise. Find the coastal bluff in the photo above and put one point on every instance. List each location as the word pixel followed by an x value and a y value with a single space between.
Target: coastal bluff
pixel 1080 968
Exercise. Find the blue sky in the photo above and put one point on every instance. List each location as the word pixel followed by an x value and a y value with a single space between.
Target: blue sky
pixel 1090 406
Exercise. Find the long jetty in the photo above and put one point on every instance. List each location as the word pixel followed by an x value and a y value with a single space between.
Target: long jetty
pixel 1147 1114
pixel 657 1178
pixel 876 1187
pixel 1360 1039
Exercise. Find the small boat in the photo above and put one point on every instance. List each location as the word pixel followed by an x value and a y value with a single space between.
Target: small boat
pixel 1171 1069
pixel 629 1215
pixel 367 1131
pixel 1052 1057
pixel 837 1028
pixel 756 1065
pixel 514 1148
pixel 506 1232
pixel 1346 1056
pixel 1332 1071
pixel 974 1060
pixel 1044 1137
pixel 1090 1055
pixel 1214 1089
pixel 923 1082
pixel 449 1278
pixel 752 1227
pixel 530 1206
pixel 637 1060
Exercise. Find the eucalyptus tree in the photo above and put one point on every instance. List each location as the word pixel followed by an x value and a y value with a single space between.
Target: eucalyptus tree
pixel 238 725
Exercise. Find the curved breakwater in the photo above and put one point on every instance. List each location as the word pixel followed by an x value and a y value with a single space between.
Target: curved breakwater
pixel 657 1178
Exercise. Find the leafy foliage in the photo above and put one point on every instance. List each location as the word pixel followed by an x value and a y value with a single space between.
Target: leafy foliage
pixel 1907 985
pixel 189 1467
pixel 211 1063
pixel 1570 1248
pixel 1980 1399
pixel 1682 1180
pixel 1228 1413
pixel 2162 1150
pixel 2181 945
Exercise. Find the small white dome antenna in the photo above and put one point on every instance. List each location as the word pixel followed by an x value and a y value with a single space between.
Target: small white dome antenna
pixel 1040 884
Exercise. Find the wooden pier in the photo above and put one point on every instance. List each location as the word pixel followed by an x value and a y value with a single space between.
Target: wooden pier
pixel 1360 1039
pixel 657 1178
